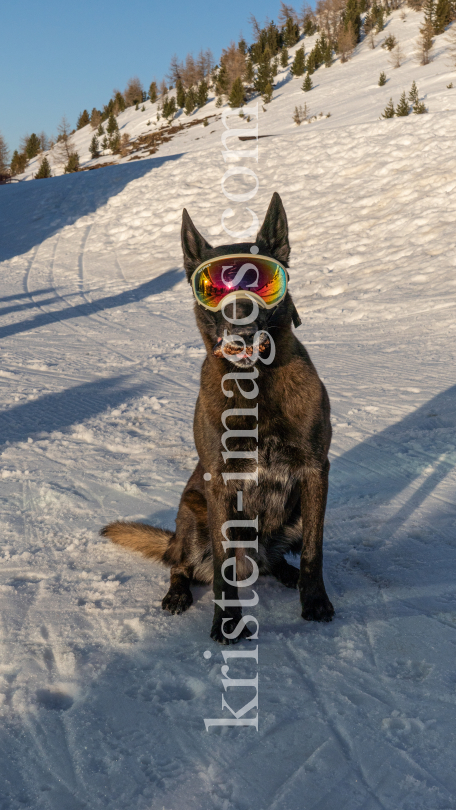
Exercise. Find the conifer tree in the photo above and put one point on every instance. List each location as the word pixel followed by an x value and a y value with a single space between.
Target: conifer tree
pixel 83 120
pixel 100 130
pixel 382 79
pixel 44 170
pixel 307 83
pixel 242 46
pixel 420 108
pixel 112 125
pixel 403 108
pixel 309 27
pixel 114 141
pixel 389 42
pixel 444 14
pixel 275 67
pixel 153 92
pixel 202 94
pixel 264 73
pixel 73 163
pixel 18 162
pixel 428 7
pixel 119 102
pixel 33 146
pixel 267 93
pixel 169 108
pixel 104 144
pixel 284 57
pixel 327 55
pixel 413 94
pixel 249 73
pixel 290 32
pixel 379 19
pixel 299 62
pixel 388 112
pixel 94 147
pixel 237 95
pixel 180 94
pixel 221 86
pixel 310 64
pixel 352 18
pixel 4 167
pixel 190 101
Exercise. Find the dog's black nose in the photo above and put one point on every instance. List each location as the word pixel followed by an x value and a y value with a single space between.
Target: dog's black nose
pixel 247 332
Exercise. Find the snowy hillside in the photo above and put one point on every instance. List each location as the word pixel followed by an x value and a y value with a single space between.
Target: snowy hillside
pixel 102 695
pixel 349 92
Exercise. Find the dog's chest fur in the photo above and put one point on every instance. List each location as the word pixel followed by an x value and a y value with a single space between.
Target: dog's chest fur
pixel 277 492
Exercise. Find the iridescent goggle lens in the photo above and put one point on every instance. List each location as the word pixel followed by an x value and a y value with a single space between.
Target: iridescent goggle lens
pixel 255 276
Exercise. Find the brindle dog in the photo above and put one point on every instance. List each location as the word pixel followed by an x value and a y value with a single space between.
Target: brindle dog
pixel 293 438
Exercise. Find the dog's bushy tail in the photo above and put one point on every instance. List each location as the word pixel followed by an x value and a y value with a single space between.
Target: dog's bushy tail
pixel 148 540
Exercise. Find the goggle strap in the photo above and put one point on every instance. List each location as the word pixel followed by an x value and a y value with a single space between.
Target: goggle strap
pixel 295 318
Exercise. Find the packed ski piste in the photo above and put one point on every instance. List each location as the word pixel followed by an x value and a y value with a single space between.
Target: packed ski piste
pixel 102 694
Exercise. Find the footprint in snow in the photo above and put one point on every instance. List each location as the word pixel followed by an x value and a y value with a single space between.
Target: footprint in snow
pixel 408 670
pixel 54 699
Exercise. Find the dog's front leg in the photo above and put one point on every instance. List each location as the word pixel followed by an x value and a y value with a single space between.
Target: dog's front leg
pixel 227 626
pixel 314 599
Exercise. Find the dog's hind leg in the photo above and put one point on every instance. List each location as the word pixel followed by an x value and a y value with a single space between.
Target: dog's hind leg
pixel 189 553
pixel 179 596
pixel 286 574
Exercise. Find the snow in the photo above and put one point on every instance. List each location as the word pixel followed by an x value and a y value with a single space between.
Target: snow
pixel 102 695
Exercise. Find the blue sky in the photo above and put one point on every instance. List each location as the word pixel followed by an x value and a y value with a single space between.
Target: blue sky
pixel 59 58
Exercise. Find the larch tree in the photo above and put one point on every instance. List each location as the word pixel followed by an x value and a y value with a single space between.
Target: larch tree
pixel 133 93
pixel 425 42
pixel 346 42
pixel 64 146
pixel 95 118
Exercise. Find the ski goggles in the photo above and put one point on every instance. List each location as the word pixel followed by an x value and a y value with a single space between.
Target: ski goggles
pixel 240 275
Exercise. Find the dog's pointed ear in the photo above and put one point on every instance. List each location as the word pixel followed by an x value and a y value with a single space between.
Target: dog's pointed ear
pixel 273 234
pixel 194 246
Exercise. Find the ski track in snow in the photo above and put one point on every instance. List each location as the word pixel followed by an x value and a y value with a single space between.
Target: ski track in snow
pixel 102 695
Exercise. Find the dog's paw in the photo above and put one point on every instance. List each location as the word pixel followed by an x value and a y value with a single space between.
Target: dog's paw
pixel 217 634
pixel 317 608
pixel 177 601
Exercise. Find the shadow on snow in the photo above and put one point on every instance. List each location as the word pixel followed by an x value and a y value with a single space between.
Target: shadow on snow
pixel 33 211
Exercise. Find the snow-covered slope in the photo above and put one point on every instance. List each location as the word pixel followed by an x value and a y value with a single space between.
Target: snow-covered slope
pixel 102 695
pixel 349 92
